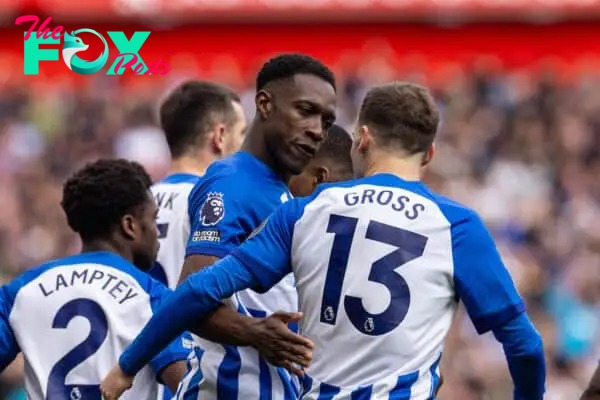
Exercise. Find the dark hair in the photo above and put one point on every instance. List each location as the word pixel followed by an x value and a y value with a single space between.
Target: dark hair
pixel 285 66
pixel 336 147
pixel 97 196
pixel 189 111
pixel 401 114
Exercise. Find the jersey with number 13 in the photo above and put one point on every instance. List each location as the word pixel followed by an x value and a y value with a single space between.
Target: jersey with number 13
pixel 380 264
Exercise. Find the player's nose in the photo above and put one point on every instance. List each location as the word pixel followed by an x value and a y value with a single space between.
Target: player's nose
pixel 316 130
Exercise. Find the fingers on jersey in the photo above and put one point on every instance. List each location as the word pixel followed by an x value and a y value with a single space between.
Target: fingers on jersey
pixel 279 345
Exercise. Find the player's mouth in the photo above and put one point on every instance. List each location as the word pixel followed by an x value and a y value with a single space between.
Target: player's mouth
pixel 306 150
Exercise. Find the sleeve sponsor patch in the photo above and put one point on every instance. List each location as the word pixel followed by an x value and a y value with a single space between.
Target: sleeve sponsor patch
pixel 209 235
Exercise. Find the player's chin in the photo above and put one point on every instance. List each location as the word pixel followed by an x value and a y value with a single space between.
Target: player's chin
pixel 295 165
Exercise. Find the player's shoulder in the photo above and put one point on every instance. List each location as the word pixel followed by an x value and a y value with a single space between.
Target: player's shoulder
pixel 455 212
pixel 179 181
pixel 100 259
pixel 179 178
pixel 378 186
pixel 228 167
pixel 323 195
pixel 229 177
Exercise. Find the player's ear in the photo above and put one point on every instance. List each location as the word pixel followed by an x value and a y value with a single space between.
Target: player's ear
pixel 128 226
pixel 218 138
pixel 428 155
pixel 264 103
pixel 321 175
pixel 365 139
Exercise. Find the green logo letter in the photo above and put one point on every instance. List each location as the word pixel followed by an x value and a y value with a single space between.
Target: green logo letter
pixel 128 46
pixel 33 54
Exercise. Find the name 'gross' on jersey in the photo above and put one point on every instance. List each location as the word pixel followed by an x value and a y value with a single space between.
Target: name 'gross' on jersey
pixel 382 259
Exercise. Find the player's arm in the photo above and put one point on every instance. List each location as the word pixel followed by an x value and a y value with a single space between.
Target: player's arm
pixel 488 292
pixel 9 348
pixel 225 325
pixel 593 390
pixel 170 365
pixel 259 263
pixel 215 234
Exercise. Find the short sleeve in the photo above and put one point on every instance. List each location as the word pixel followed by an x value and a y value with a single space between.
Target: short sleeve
pixel 482 282
pixel 8 343
pixel 266 253
pixel 216 213
pixel 179 349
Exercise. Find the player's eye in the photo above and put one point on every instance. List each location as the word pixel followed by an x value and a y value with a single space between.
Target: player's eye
pixel 306 110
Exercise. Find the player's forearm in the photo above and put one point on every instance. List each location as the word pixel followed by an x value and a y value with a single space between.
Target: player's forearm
pixel 173 374
pixel 524 352
pixel 194 263
pixel 227 326
pixel 195 299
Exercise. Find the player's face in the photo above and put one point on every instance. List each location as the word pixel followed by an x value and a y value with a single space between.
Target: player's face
pixel 145 247
pixel 236 132
pixel 300 115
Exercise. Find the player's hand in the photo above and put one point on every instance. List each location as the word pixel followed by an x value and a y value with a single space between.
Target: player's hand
pixel 115 384
pixel 279 345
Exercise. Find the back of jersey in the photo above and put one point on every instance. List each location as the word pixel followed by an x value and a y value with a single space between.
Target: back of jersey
pixel 171 195
pixel 373 266
pixel 72 318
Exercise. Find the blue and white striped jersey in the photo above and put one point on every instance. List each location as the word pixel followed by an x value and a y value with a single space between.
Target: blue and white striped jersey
pixel 380 265
pixel 73 317
pixel 173 223
pixel 171 195
pixel 231 200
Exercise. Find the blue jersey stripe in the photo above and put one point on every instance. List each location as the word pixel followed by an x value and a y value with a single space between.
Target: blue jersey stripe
pixel 264 379
pixel 264 374
pixel 166 393
pixel 229 372
pixel 363 393
pixel 306 382
pixel 290 391
pixel 403 386
pixel 194 386
pixel 327 392
pixel 435 379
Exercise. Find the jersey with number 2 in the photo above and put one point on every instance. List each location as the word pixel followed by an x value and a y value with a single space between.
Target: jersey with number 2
pixel 380 264
pixel 72 318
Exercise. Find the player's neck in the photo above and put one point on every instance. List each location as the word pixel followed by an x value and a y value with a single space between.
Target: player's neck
pixel 255 145
pixel 196 165
pixel 407 168
pixel 105 245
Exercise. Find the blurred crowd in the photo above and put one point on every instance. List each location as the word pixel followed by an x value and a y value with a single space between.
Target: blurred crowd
pixel 522 149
